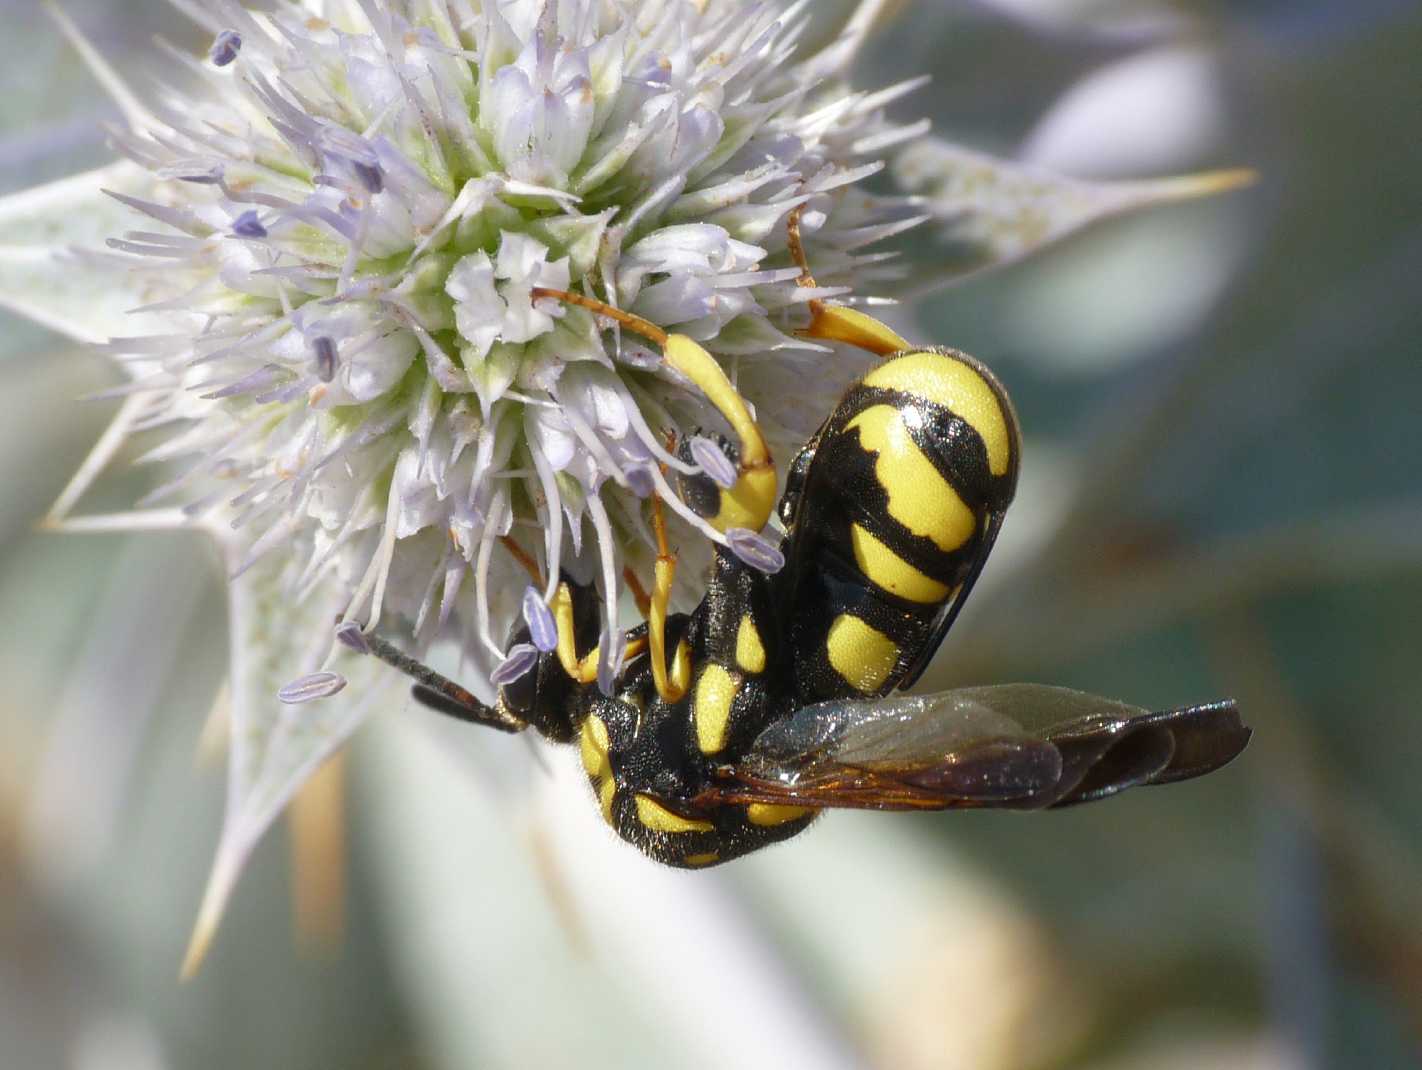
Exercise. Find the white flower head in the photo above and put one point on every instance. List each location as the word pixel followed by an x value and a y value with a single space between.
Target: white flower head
pixel 358 209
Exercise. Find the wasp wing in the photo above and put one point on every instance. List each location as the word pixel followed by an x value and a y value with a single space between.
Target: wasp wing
pixel 1020 746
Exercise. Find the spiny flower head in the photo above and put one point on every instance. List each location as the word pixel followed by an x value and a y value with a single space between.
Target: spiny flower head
pixel 357 210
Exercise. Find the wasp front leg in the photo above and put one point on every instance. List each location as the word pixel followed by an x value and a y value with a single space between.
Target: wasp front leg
pixel 749 500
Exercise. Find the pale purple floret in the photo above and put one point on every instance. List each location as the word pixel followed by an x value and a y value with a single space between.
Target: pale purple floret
pixel 312 686
pixel 755 550
pixel 350 634
pixel 247 225
pixel 325 349
pixel 541 627
pixel 225 48
pixel 713 462
pixel 518 664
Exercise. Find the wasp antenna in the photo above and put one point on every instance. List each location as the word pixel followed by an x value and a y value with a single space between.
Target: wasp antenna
pixel 431 689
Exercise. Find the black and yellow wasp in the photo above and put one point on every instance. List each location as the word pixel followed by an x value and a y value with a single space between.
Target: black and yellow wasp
pixel 731 727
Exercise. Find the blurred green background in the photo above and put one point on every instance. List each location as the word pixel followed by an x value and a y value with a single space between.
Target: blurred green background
pixel 1223 496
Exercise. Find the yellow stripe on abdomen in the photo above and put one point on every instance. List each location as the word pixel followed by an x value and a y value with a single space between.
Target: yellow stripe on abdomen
pixel 959 388
pixel 658 818
pixel 890 572
pixel 861 654
pixel 919 497
pixel 769 815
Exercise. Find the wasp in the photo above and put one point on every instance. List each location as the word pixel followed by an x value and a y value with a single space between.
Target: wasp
pixel 733 726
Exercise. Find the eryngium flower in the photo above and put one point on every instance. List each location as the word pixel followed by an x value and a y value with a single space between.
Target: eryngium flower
pixel 355 211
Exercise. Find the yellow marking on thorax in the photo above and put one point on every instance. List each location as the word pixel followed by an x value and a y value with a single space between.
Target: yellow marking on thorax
pixel 919 497
pixel 711 709
pixel 958 387
pixel 890 572
pixel 863 655
pixel 768 815
pixel 605 795
pixel 750 651
pixel 658 818
pixel 593 745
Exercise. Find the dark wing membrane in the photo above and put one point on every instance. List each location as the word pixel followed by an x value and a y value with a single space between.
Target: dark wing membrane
pixel 1019 746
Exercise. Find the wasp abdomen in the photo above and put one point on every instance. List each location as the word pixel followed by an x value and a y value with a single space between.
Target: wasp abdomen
pixel 895 517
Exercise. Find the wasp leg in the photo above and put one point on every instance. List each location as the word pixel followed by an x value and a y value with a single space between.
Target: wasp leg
pixel 431 689
pixel 671 685
pixel 581 670
pixel 519 554
pixel 748 503
pixel 836 323
pixel 584 670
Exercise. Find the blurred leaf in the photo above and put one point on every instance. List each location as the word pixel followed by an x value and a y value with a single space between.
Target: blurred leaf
pixel 275 747
pixel 50 268
pixel 991 212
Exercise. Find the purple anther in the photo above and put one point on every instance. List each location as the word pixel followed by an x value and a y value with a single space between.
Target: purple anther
pixel 311 687
pixel 350 634
pixel 325 350
pixel 713 462
pixel 225 48
pixel 370 175
pixel 755 550
pixel 609 661
pixel 541 627
pixel 639 480
pixel 247 225
pixel 355 152
pixel 519 663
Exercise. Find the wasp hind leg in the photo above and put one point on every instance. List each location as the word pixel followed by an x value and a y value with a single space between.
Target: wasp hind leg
pixel 837 323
